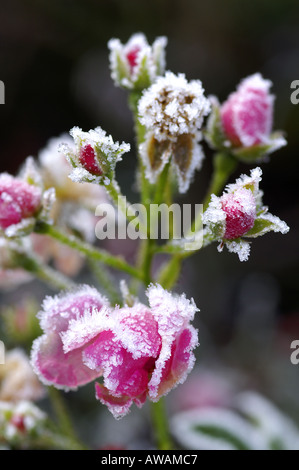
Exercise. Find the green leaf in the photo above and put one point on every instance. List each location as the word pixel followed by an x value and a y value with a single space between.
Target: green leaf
pixel 218 432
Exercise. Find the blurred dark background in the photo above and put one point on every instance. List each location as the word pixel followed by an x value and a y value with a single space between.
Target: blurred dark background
pixel 54 63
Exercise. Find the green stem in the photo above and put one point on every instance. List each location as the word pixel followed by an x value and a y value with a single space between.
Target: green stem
pixel 54 440
pixel 140 131
pixel 144 260
pixel 104 279
pixel 44 272
pixel 170 271
pixel 64 422
pixel 224 165
pixel 121 203
pixel 160 423
pixel 88 250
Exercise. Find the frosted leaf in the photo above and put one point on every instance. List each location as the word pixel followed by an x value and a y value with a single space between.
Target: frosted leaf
pixel 273 424
pixel 155 155
pixel 21 229
pixel 267 222
pixel 214 220
pixel 190 427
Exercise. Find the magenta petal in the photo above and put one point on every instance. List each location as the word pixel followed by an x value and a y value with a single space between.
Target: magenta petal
pixel 173 314
pixel 18 200
pixel 123 375
pixel 137 330
pixel 247 114
pixel 118 406
pixel 49 360
pixel 54 367
pixel 57 312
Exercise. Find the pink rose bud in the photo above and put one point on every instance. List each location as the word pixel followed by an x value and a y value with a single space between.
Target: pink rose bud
pixel 87 158
pixel 139 351
pixel 18 200
pixel 240 212
pixel 93 155
pixel 136 64
pixel 247 114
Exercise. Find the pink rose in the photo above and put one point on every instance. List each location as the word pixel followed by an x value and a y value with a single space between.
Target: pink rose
pixel 139 351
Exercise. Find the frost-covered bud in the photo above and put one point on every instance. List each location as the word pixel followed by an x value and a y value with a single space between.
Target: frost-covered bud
pixel 55 170
pixel 172 111
pixel 94 156
pixel 136 64
pixel 19 201
pixel 23 200
pixel 238 214
pixel 73 210
pixel 243 123
pixel 140 351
